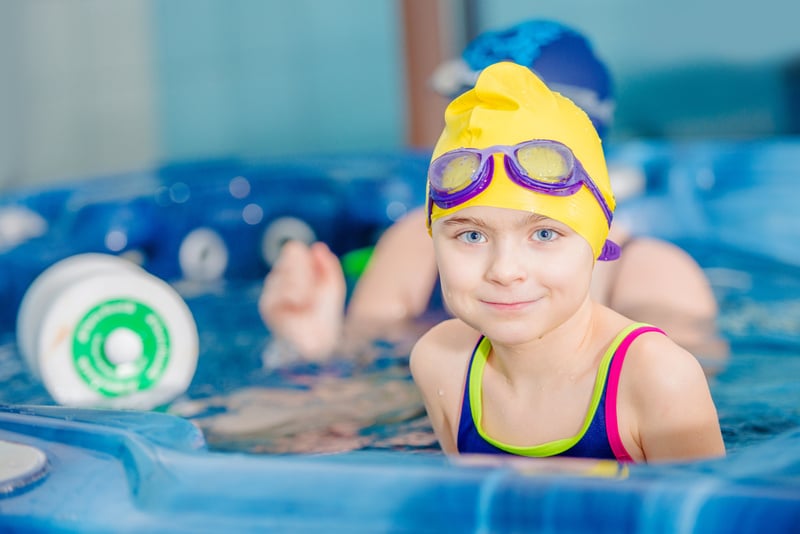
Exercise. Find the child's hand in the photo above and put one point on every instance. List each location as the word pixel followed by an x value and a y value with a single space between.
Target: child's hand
pixel 302 301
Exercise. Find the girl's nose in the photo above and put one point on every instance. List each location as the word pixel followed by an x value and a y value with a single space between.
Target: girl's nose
pixel 506 265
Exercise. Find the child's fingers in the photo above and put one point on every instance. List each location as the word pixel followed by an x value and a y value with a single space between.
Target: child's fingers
pixel 326 265
pixel 292 279
pixel 331 289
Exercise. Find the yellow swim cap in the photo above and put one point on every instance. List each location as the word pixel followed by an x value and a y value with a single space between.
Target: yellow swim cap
pixel 509 105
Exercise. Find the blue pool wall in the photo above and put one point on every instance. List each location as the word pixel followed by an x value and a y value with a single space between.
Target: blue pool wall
pixel 346 200
pixel 736 194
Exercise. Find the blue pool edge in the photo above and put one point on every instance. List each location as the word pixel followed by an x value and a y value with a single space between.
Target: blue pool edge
pixel 131 471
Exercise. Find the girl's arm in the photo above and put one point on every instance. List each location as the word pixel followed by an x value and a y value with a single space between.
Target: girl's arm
pixel 399 279
pixel 438 365
pixel 666 405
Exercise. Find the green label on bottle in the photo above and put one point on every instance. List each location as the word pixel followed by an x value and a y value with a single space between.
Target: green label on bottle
pixel 145 347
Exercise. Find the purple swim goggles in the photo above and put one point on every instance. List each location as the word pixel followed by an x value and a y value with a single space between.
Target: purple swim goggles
pixel 543 166
pixel 540 165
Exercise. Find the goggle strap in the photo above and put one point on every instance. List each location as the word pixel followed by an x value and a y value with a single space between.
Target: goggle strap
pixel 589 183
pixel 611 251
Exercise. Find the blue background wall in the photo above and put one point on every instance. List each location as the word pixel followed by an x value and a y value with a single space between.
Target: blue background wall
pixel 93 87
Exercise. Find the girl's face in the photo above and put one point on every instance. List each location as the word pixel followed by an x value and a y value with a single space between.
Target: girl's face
pixel 510 274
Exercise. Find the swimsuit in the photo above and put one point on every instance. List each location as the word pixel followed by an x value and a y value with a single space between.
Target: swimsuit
pixel 597 438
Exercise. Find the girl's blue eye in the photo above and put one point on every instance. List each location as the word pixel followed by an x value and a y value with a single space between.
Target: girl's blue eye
pixel 472 236
pixel 544 234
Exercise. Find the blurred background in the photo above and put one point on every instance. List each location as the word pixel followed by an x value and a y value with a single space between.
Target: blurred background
pixel 92 87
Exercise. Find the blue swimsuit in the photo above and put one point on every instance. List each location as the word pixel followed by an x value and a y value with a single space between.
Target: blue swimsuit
pixel 599 435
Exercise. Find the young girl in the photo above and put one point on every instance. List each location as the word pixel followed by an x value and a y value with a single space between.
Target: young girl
pixel 520 207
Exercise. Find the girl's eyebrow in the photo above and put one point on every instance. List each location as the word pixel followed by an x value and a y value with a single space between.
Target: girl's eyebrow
pixel 477 221
pixel 458 221
pixel 537 217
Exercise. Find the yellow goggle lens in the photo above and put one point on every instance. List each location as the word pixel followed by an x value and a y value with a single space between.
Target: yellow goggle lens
pixel 458 172
pixel 543 163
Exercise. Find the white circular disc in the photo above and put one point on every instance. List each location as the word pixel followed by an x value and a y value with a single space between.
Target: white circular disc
pixel 81 318
pixel 203 255
pixel 280 231
pixel 123 346
pixel 20 465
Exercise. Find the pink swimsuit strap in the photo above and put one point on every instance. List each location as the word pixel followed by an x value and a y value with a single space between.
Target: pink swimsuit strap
pixel 612 424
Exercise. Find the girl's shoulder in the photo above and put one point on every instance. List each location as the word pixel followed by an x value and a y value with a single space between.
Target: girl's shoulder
pixel 657 366
pixel 448 344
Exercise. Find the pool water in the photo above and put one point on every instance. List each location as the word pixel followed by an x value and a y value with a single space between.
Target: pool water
pixel 368 402
pixel 757 395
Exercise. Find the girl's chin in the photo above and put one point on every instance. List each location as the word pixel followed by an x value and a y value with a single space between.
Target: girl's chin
pixel 511 335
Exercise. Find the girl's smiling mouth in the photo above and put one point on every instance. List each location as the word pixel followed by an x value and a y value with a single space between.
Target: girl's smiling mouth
pixel 509 305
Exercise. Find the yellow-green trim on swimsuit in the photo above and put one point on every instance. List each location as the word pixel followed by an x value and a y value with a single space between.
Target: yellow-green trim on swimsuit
pixel 550 448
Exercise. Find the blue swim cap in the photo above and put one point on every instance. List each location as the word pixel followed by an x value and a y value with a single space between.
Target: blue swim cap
pixel 562 57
